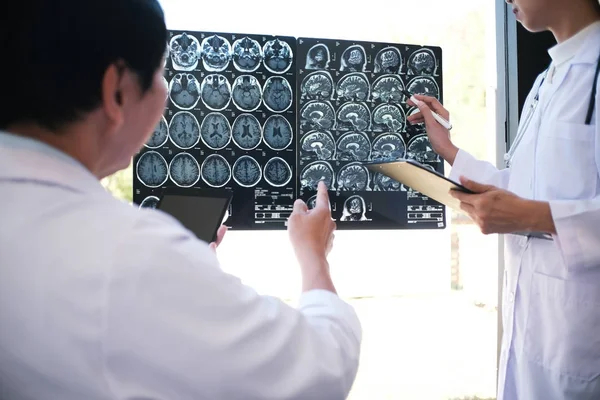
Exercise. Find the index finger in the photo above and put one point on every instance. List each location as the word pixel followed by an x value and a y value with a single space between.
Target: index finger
pixel 322 200
pixel 462 196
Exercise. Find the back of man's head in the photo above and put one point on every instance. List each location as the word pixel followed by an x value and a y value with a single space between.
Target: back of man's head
pixel 57 51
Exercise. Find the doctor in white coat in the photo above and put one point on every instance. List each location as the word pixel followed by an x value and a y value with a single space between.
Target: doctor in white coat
pixel 100 300
pixel 551 184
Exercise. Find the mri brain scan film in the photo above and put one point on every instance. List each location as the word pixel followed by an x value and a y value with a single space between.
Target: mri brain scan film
pixel 268 117
pixel 247 93
pixel 160 135
pixel 277 132
pixel 184 91
pixel 149 202
pixel 185 52
pixel 277 94
pixel 215 131
pixel 247 54
pixel 184 170
pixel 216 92
pixel 184 130
pixel 216 53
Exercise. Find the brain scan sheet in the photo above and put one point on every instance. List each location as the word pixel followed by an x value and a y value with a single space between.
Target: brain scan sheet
pixel 268 117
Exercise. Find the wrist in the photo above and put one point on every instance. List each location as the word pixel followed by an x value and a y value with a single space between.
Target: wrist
pixel 315 273
pixel 537 216
pixel 448 153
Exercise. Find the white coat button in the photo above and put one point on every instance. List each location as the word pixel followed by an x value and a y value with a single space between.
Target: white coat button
pixel 511 297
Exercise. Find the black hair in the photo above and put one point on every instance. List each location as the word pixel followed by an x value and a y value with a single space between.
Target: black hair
pixel 56 52
pixel 597 4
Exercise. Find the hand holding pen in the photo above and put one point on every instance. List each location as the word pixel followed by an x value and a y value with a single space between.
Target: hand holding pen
pixel 436 119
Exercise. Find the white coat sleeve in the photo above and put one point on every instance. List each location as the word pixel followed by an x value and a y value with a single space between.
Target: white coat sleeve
pixel 577 222
pixel 179 327
pixel 477 170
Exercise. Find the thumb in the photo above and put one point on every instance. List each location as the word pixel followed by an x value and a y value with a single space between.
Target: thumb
pixel 475 186
pixel 300 206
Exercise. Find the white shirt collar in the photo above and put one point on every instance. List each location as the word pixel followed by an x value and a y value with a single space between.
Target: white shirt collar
pixel 565 51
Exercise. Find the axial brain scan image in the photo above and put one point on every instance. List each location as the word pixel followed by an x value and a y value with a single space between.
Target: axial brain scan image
pixel 354 86
pixel 215 171
pixel 388 61
pixel 318 115
pixel 420 149
pixel 185 52
pixel 388 118
pixel 152 169
pixel 247 54
pixel 353 177
pixel 149 202
pixel 353 146
pixel 184 170
pixel 424 85
pixel 277 172
pixel 354 116
pixel 315 172
pixel 216 92
pixel 159 136
pixel 277 132
pixel 318 57
pixel 317 86
pixel 355 209
pixel 354 59
pixel 216 53
pixel 422 62
pixel 184 130
pixel 246 171
pixel 246 132
pixel 215 131
pixel 247 93
pixel 388 89
pixel 317 145
pixel 278 56
pixel 277 94
pixel 184 91
pixel 383 183
pixel 388 147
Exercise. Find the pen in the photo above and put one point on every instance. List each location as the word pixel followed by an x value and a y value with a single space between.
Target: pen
pixel 446 124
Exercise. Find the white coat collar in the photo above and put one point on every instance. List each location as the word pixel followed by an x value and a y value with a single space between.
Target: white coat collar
pixel 590 50
pixel 26 159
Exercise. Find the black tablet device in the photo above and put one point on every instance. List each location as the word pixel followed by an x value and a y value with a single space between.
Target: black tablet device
pixel 202 211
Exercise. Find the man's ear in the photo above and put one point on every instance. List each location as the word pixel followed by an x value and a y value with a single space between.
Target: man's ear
pixel 112 98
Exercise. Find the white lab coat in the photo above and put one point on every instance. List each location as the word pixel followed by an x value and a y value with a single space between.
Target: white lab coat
pixel 551 297
pixel 100 300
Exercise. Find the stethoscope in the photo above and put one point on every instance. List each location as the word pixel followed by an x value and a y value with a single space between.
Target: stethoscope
pixel 532 108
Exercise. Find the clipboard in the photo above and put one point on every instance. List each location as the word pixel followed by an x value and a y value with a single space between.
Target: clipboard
pixel 432 184
pixel 422 179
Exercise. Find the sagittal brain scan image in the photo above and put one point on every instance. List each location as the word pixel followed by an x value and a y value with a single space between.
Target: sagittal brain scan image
pixel 215 171
pixel 317 85
pixel 354 59
pixel 216 92
pixel 216 53
pixel 160 134
pixel 388 89
pixel 247 54
pixel 388 61
pixel 318 115
pixel 353 116
pixel 184 170
pixel 247 93
pixel 420 128
pixel 185 52
pixel 215 131
pixel 388 118
pixel 315 172
pixel 184 130
pixel 424 85
pixel 312 202
pixel 355 209
pixel 420 149
pixel 149 202
pixel 354 87
pixel 246 171
pixel 184 91
pixel 353 177
pixel 388 147
pixel 318 57
pixel 422 62
pixel 278 56
pixel 277 172
pixel 353 146
pixel 383 183
pixel 277 132
pixel 277 94
pixel 246 132
pixel 317 145
pixel 152 169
